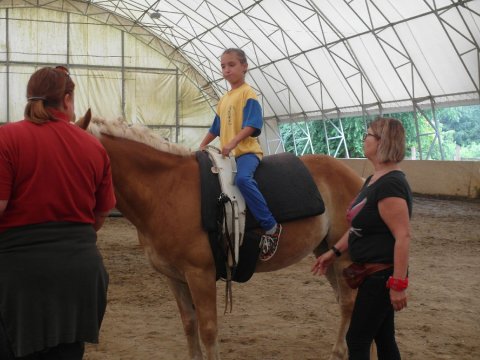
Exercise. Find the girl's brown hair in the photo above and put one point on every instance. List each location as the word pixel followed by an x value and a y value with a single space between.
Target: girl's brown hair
pixel 391 136
pixel 47 88
pixel 242 57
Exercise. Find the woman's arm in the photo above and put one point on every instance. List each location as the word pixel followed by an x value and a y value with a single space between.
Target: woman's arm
pixel 3 206
pixel 99 219
pixel 394 212
pixel 326 259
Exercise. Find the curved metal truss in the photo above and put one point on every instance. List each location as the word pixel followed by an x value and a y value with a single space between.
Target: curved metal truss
pixel 314 59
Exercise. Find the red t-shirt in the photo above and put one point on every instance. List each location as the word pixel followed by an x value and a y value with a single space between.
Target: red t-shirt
pixel 52 172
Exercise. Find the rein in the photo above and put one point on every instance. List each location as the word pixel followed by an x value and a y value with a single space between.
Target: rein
pixel 223 199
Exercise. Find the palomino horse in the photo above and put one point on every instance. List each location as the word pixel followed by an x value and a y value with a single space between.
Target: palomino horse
pixel 157 185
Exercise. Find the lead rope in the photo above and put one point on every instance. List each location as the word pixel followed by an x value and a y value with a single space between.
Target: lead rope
pixel 229 249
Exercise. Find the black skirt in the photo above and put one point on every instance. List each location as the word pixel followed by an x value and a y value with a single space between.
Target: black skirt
pixel 53 286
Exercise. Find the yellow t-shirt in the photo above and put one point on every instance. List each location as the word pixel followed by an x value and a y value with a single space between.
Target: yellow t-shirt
pixel 237 109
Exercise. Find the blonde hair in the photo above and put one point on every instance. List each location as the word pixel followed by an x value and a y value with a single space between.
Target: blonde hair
pixel 46 89
pixel 391 136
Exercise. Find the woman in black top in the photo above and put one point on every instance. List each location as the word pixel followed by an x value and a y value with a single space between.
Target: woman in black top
pixel 379 232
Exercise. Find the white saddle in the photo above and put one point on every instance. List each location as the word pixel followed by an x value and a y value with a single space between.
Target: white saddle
pixel 226 168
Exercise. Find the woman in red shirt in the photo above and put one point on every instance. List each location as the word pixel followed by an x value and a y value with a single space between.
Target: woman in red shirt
pixel 55 192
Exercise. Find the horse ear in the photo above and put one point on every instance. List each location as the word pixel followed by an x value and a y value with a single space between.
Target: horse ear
pixel 84 121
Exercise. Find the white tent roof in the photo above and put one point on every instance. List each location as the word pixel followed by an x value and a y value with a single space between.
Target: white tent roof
pixel 309 57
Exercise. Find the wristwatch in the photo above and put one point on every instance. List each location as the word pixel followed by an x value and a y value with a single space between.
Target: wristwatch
pixel 337 252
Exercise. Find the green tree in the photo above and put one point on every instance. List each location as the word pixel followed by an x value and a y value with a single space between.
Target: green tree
pixel 458 126
pixel 464 121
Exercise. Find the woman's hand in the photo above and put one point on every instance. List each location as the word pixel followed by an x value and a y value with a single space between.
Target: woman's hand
pixel 326 259
pixel 398 299
pixel 323 262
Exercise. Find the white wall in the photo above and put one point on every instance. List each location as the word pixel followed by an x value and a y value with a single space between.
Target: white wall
pixel 433 177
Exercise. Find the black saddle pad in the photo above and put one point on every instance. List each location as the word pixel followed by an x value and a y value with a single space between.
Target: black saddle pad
pixel 290 193
pixel 288 188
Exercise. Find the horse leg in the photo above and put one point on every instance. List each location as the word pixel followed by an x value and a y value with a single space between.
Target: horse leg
pixel 188 315
pixel 346 299
pixel 202 286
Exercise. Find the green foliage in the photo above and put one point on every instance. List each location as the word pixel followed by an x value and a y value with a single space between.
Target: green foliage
pixel 471 151
pixel 459 126
pixel 424 127
pixel 354 129
pixel 287 134
pixel 464 121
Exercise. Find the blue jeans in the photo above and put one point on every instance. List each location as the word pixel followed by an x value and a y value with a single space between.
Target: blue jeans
pixel 246 166
pixel 373 320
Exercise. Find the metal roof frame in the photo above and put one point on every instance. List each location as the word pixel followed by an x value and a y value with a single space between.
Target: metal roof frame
pixel 312 59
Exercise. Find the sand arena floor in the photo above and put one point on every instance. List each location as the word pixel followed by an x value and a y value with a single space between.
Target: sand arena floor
pixel 289 314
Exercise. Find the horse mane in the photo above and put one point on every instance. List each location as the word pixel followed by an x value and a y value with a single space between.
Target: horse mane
pixel 136 132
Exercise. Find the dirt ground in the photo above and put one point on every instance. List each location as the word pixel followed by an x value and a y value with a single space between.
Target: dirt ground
pixel 289 314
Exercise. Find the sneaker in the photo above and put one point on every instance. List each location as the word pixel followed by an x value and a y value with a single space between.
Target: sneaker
pixel 269 244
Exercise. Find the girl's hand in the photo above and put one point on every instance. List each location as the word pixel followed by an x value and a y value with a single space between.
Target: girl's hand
pixel 227 149
pixel 323 262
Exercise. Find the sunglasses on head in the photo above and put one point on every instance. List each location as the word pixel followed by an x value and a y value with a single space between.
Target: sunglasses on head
pixel 63 69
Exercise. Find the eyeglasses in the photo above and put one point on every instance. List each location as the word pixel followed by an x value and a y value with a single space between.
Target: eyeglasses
pixel 63 69
pixel 367 134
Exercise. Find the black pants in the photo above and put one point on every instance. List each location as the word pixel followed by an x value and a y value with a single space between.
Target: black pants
pixel 72 351
pixel 5 350
pixel 373 320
